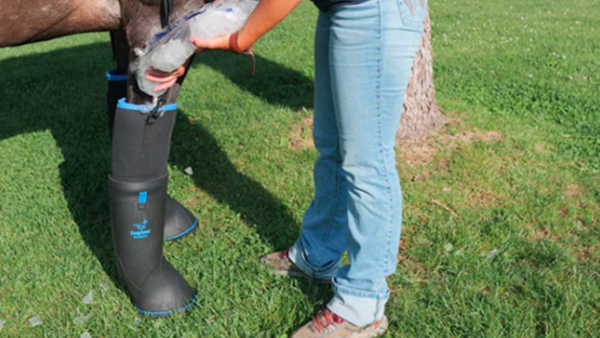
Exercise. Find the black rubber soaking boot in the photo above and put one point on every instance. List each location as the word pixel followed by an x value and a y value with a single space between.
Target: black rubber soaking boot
pixel 138 218
pixel 179 221
pixel 138 187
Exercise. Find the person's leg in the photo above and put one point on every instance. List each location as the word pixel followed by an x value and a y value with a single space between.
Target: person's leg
pixel 322 240
pixel 373 46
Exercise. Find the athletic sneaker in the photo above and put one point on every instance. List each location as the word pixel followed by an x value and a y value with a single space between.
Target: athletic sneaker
pixel 327 324
pixel 280 264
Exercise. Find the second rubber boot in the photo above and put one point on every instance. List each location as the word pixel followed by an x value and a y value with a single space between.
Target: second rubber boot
pixel 179 221
pixel 116 88
pixel 138 218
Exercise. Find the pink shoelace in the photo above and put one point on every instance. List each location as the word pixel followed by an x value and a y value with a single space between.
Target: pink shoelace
pixel 325 318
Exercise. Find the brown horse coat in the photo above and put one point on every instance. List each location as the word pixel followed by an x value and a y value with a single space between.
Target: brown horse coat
pixel 27 21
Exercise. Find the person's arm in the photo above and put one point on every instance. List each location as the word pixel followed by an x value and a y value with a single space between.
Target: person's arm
pixel 266 15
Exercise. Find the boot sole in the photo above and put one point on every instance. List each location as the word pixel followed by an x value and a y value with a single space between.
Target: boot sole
pixel 165 313
pixel 183 234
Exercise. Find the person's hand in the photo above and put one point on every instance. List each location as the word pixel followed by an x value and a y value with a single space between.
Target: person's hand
pixel 216 43
pixel 227 42
pixel 268 14
pixel 165 80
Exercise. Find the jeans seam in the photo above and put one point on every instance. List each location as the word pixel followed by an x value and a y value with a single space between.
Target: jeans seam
pixel 380 131
pixel 327 232
pixel 391 206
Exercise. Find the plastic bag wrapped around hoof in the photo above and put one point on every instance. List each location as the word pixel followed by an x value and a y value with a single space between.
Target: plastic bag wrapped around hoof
pixel 169 49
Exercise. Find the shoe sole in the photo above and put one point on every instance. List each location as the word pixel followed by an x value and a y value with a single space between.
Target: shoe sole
pixel 383 325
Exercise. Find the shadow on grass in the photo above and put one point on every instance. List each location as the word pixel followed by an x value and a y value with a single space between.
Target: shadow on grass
pixel 62 92
pixel 272 82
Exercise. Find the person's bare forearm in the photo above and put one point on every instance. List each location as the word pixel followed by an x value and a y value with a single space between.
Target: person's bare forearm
pixel 268 14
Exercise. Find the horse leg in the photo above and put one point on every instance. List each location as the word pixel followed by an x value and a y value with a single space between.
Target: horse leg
pixel 116 78
pixel 138 187
pixel 142 22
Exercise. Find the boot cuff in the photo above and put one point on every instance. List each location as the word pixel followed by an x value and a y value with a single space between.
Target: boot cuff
pixel 111 75
pixel 144 108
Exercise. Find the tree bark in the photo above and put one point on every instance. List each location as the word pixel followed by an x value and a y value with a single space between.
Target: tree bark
pixel 420 114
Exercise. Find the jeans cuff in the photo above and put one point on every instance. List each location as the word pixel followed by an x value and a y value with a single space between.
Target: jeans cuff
pixel 296 255
pixel 357 307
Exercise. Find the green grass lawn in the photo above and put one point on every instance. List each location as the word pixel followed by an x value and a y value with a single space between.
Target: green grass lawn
pixel 501 220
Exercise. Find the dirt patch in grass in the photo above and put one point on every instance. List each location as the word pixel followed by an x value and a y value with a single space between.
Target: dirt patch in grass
pixel 192 202
pixel 402 251
pixel 586 252
pixel 301 135
pixel 573 190
pixel 481 196
pixel 421 151
pixel 552 236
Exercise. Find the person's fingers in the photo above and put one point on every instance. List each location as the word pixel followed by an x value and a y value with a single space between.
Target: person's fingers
pixel 160 79
pixel 156 75
pixel 202 44
pixel 159 73
pixel 219 42
pixel 166 85
pixel 180 71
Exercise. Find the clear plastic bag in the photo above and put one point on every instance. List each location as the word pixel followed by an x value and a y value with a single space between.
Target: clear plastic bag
pixel 170 48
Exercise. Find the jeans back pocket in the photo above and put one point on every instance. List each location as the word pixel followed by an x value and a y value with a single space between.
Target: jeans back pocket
pixel 413 12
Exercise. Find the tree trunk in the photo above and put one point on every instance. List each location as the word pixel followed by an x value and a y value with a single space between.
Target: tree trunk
pixel 420 114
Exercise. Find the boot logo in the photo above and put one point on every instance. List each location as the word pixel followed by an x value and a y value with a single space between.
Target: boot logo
pixel 142 232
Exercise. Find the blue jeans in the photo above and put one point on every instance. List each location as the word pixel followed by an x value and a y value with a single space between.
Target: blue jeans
pixel 363 59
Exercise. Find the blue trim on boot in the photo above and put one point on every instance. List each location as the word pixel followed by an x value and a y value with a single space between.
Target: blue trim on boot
pixel 111 76
pixel 190 229
pixel 165 313
pixel 144 108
